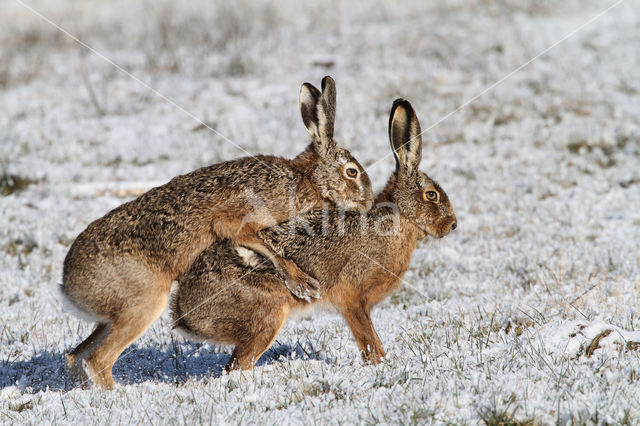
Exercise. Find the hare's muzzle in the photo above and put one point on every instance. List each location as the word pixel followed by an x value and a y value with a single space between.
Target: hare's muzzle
pixel 449 224
pixel 442 227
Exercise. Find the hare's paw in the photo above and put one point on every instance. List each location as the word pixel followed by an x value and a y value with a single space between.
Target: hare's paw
pixel 77 375
pixel 303 287
pixel 99 373
pixel 298 282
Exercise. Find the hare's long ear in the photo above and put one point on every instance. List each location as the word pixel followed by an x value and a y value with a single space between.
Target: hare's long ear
pixel 327 109
pixel 405 136
pixel 309 98
pixel 318 114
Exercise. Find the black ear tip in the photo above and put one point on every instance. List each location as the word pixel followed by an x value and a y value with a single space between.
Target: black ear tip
pixel 311 89
pixel 406 105
pixel 327 80
pixel 395 105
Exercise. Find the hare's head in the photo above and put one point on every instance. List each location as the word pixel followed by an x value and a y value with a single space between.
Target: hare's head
pixel 336 173
pixel 417 196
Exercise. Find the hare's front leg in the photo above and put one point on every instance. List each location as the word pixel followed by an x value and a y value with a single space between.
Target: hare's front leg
pixel 299 283
pixel 361 326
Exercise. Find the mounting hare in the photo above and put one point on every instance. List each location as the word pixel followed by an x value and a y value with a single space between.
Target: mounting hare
pixel 234 296
pixel 119 270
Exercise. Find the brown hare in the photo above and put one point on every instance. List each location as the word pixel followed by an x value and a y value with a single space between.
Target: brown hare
pixel 118 272
pixel 234 296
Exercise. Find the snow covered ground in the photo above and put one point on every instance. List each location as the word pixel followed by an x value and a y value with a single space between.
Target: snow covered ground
pixel 527 312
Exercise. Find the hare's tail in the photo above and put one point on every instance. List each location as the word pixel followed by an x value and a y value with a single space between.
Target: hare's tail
pixel 74 308
pixel 177 319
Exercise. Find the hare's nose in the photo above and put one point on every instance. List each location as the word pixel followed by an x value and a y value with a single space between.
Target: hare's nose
pixel 454 225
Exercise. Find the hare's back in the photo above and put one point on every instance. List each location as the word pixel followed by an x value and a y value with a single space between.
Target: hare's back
pixel 167 223
pixel 329 245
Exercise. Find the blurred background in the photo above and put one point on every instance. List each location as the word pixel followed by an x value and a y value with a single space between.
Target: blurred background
pixel 238 68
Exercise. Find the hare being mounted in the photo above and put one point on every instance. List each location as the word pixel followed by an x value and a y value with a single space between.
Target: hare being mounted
pixel 234 296
pixel 118 272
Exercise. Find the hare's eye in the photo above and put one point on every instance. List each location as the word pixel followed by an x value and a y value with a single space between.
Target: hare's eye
pixel 351 172
pixel 430 195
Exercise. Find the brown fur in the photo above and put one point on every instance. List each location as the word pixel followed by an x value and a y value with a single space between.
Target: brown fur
pixel 225 297
pixel 119 270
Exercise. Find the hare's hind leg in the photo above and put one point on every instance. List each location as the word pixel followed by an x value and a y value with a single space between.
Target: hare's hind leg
pixel 126 328
pixel 77 375
pixel 248 352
